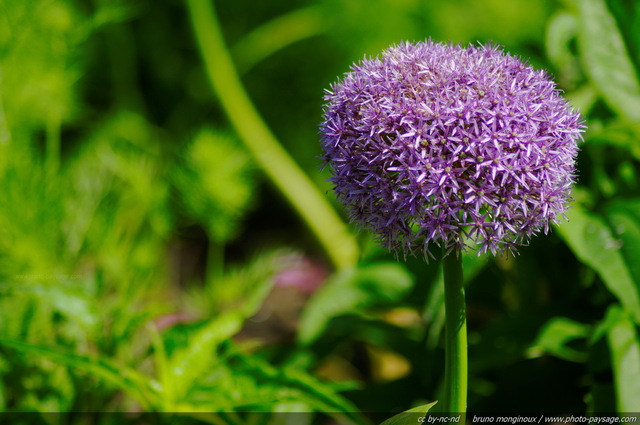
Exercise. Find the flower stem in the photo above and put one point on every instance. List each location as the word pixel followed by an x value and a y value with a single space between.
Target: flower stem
pixel 280 168
pixel 455 375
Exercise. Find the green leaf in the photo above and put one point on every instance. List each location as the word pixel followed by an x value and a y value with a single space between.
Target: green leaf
pixel 618 133
pixel 245 382
pixel 244 288
pixel 606 59
pixel 297 385
pixel 352 291
pixel 555 336
pixel 277 34
pixel 591 240
pixel 134 383
pixel 215 182
pixel 409 417
pixel 167 396
pixel 62 294
pixel 561 31
pixel 625 356
pixel 624 216
pixel 187 364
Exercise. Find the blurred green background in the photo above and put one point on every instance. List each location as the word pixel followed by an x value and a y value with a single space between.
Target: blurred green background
pixel 169 243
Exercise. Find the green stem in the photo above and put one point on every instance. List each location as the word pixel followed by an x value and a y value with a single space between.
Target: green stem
pixel 455 376
pixel 293 183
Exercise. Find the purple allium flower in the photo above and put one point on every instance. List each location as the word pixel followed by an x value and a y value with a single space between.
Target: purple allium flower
pixel 450 145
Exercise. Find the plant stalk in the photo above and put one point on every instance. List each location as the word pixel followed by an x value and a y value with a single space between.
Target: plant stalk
pixel 455 375
pixel 309 202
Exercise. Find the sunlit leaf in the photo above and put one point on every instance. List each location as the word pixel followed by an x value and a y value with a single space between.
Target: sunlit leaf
pixel 411 416
pixel 624 344
pixel 64 297
pixel 555 336
pixel 277 34
pixel 562 29
pixel 353 291
pixel 624 217
pixel 190 362
pixel 134 383
pixel 40 62
pixel 621 134
pixel 592 242
pixel 289 383
pixel 242 289
pixel 245 382
pixel 606 59
pixel 215 182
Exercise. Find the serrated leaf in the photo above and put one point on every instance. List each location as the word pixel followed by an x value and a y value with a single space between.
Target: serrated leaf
pixel 606 59
pixel 293 384
pixel 411 416
pixel 214 182
pixel 592 242
pixel 244 289
pixel 555 336
pixel 244 382
pixel 187 364
pixel 352 291
pixel 66 299
pixel 134 383
pixel 625 357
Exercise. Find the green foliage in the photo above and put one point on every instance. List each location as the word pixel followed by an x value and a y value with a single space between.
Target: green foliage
pixel 353 292
pixel 409 416
pixel 40 59
pixel 606 59
pixel 555 338
pixel 625 356
pixel 147 262
pixel 592 241
pixel 214 183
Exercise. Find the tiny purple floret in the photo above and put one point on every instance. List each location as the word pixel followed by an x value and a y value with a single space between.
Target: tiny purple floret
pixel 458 147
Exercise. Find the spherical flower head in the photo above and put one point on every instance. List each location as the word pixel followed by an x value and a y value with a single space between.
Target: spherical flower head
pixel 458 147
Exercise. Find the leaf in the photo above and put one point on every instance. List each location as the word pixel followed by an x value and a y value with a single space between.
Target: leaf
pixel 351 292
pixel 243 288
pixel 621 134
pixel 555 336
pixel 583 98
pixel 302 387
pixel 624 217
pixel 245 382
pixel 411 416
pixel 167 396
pixel 592 242
pixel 129 380
pixel 561 31
pixel 61 293
pixel 277 34
pixel 606 59
pixel 625 357
pixel 187 364
pixel 215 182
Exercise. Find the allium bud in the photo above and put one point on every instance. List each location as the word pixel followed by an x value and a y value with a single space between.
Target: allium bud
pixel 460 147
